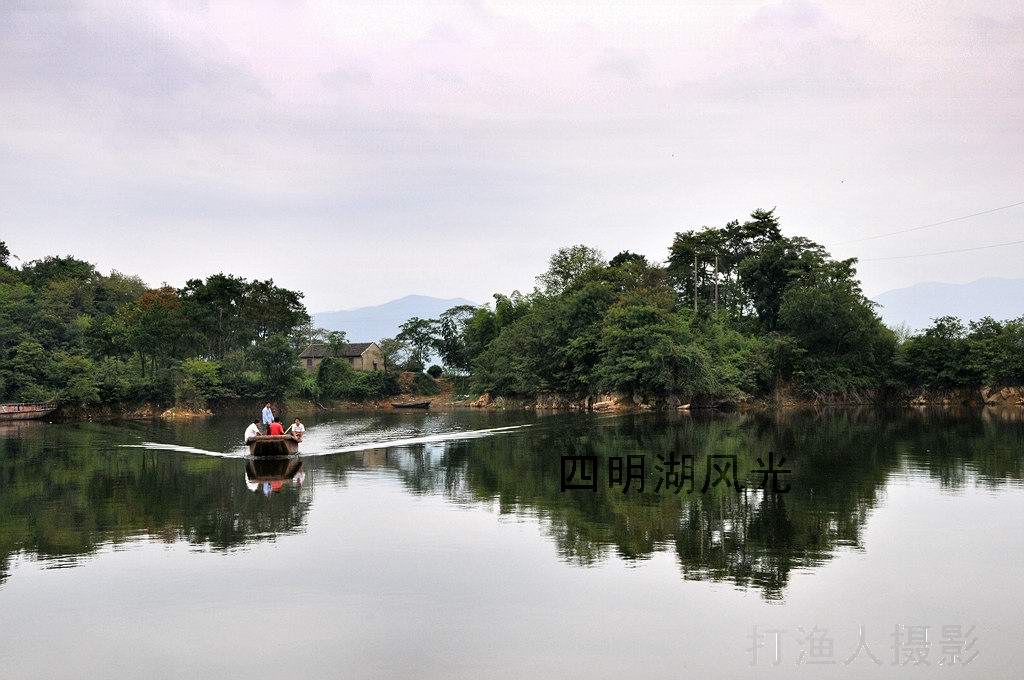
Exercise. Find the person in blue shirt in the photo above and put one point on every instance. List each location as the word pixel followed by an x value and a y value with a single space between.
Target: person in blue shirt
pixel 268 417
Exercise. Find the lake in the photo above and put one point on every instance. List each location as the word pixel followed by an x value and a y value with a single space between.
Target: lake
pixel 442 545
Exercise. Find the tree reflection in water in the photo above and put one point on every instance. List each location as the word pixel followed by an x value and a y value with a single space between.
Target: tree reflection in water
pixel 66 490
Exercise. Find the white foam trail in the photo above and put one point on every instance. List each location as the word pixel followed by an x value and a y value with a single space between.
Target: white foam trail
pixel 382 444
pixel 426 439
pixel 157 446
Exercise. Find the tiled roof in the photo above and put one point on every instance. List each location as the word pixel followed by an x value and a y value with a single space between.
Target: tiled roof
pixel 319 351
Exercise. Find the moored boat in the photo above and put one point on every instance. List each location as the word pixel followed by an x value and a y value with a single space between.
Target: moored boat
pixel 273 445
pixel 26 411
pixel 410 404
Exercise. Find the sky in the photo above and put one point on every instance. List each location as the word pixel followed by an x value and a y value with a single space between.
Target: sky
pixel 360 152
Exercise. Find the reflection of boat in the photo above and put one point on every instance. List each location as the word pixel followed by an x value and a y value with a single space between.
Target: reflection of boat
pixel 25 411
pixel 410 404
pixel 271 474
pixel 273 445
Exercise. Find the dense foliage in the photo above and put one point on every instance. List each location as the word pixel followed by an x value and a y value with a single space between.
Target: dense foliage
pixel 736 310
pixel 741 309
pixel 71 334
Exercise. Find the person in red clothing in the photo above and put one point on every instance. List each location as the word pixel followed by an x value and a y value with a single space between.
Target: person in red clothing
pixel 275 427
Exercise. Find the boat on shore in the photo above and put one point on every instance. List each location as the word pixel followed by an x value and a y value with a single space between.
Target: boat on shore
pixel 410 404
pixel 273 445
pixel 26 411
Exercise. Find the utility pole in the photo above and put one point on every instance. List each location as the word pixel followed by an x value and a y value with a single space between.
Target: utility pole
pixel 716 284
pixel 695 281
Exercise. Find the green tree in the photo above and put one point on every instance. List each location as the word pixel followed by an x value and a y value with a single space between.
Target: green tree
pixel 76 374
pixel 391 350
pixel 418 335
pixel 451 342
pixel 336 342
pixel 647 349
pixel 336 378
pixel 198 384
pixel 569 265
pixel 841 343
pixel 940 357
pixel 278 363
pixel 766 275
pixel 28 370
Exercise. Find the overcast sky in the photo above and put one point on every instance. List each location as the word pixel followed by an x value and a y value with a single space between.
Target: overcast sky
pixel 360 152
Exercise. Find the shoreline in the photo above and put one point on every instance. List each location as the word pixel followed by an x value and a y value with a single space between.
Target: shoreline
pixel 1007 397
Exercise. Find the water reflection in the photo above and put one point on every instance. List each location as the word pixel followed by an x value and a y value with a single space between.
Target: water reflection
pixel 66 490
pixel 271 475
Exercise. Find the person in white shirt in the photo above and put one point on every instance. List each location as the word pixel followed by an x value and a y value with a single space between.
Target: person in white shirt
pixel 297 429
pixel 253 430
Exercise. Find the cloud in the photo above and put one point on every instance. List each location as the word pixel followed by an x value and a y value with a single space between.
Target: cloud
pixel 353 130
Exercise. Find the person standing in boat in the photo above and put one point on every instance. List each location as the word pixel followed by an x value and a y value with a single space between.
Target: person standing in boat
pixel 275 428
pixel 268 417
pixel 253 430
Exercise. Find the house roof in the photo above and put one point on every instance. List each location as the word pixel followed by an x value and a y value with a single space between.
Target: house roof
pixel 320 351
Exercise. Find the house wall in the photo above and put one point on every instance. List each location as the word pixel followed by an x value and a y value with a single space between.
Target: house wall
pixel 371 360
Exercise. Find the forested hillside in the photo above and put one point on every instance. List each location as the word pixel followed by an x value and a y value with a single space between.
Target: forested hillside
pixel 737 310
pixel 732 312
pixel 71 334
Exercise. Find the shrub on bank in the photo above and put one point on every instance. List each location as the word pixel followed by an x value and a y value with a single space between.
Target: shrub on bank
pixel 424 385
pixel 199 383
pixel 336 379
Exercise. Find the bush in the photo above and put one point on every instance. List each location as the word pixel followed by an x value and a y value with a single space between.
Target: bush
pixel 279 365
pixel 157 388
pixel 379 384
pixel 309 388
pixel 413 365
pixel 425 385
pixel 238 377
pixel 435 371
pixel 335 377
pixel 114 379
pixel 35 393
pixel 76 376
pixel 200 382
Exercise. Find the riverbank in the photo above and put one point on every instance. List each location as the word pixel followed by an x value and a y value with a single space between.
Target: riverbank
pixel 602 403
pixel 782 397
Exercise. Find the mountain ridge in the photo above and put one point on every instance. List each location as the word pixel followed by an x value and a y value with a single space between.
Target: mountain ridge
pixel 373 322
pixel 916 305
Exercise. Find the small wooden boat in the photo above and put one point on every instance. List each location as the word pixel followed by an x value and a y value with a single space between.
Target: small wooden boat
pixel 26 411
pixel 410 404
pixel 273 445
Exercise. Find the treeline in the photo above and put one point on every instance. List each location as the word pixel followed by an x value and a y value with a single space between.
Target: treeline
pixel 71 334
pixel 732 311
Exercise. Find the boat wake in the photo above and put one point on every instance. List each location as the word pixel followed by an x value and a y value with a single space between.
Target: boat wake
pixel 157 446
pixel 310 450
pixel 412 441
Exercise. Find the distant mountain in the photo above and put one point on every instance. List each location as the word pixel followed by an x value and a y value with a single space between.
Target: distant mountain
pixel 382 321
pixel 917 305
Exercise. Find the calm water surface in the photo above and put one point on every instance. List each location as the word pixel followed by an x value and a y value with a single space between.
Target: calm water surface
pixel 441 546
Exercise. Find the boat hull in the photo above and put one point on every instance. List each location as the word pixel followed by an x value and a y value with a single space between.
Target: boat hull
pixel 25 411
pixel 273 445
pixel 411 404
